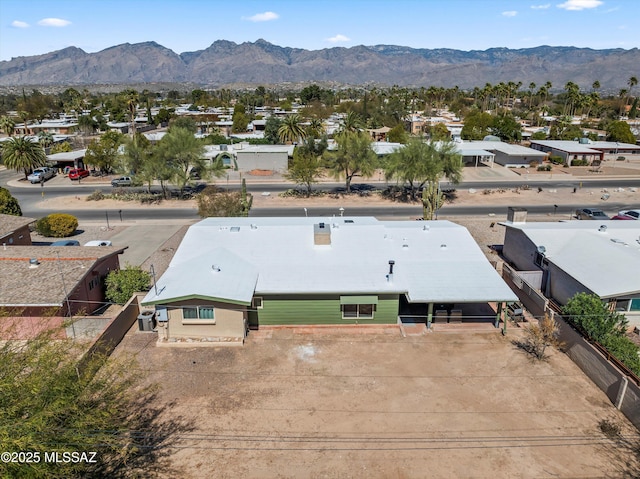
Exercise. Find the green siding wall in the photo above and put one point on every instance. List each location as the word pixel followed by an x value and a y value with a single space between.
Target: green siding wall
pixel 321 310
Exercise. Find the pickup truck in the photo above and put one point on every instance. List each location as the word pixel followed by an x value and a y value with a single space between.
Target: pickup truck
pixel 122 181
pixel 41 174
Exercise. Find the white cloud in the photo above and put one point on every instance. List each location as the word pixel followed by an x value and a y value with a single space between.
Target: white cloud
pixel 262 17
pixel 579 4
pixel 19 24
pixel 541 7
pixel 54 22
pixel 339 38
pixel 510 13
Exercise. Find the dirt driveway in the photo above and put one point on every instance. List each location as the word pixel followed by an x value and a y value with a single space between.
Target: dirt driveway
pixel 297 403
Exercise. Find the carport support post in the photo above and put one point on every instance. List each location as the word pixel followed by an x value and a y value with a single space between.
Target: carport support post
pixel 429 315
pixel 498 314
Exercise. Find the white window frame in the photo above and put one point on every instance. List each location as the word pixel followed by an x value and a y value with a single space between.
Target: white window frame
pixel 359 315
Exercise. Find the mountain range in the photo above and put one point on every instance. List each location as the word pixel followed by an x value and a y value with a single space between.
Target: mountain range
pixel 260 62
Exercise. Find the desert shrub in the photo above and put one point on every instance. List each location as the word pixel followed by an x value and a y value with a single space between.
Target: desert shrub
pixel 580 163
pixel 556 160
pixel 544 168
pixel 57 225
pixel 96 196
pixel 538 337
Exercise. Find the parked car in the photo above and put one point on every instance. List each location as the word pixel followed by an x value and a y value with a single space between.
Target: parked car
pixel 630 214
pixel 122 181
pixel 66 243
pixel 621 217
pixel 98 243
pixel 77 173
pixel 591 214
pixel 42 174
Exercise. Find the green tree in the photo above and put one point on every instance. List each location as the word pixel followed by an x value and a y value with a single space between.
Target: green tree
pixel 8 204
pixel 130 98
pixel 7 125
pixel 135 154
pixel 593 316
pixel 271 128
pixel 307 167
pixel 184 122
pixel 121 284
pixel 418 163
pixel 291 130
pixel 620 131
pixel 103 153
pixel 239 118
pixel 52 402
pixel 506 128
pixel 353 157
pixel 439 131
pixel 22 154
pixel 476 125
pixel 397 134
pixel 181 151
pixel 351 123
pixel 63 147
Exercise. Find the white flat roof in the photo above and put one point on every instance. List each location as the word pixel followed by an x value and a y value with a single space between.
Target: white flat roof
pixel 435 261
pixel 606 262
pixel 506 148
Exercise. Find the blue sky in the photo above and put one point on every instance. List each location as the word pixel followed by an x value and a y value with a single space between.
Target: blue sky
pixel 32 27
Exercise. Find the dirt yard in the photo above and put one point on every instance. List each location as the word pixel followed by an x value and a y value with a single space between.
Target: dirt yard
pixel 303 403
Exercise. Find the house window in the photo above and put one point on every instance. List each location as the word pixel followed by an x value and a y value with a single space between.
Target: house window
pixel 358 307
pixel 358 311
pixel 256 302
pixel 198 315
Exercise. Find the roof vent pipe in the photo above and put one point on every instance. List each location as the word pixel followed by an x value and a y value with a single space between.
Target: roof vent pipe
pixel 603 228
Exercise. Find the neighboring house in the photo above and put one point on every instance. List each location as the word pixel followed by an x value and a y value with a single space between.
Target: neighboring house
pixel 588 150
pixel 244 157
pixel 379 134
pixel 230 274
pixel 55 127
pixel 14 230
pixel 54 281
pixel 565 258
pixel 504 154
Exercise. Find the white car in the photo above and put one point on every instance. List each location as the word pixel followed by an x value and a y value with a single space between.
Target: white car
pixel 98 243
pixel 630 214
pixel 41 175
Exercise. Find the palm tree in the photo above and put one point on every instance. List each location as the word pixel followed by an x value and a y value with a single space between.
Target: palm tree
pixel 352 123
pixel 291 130
pixel 633 81
pixel 20 153
pixel 131 100
pixel 7 125
pixel 45 138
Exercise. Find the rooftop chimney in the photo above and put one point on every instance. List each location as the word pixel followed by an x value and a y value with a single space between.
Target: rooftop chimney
pixel 321 234
pixel 516 215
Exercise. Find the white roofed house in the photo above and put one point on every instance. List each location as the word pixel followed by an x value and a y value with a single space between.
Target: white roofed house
pixel 231 274
pixel 566 258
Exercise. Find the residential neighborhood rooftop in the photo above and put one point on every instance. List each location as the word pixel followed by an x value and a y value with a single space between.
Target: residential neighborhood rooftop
pixel 10 223
pixel 234 258
pixel 44 275
pixel 602 255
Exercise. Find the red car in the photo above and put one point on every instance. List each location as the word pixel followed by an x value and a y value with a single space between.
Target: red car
pixel 77 173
